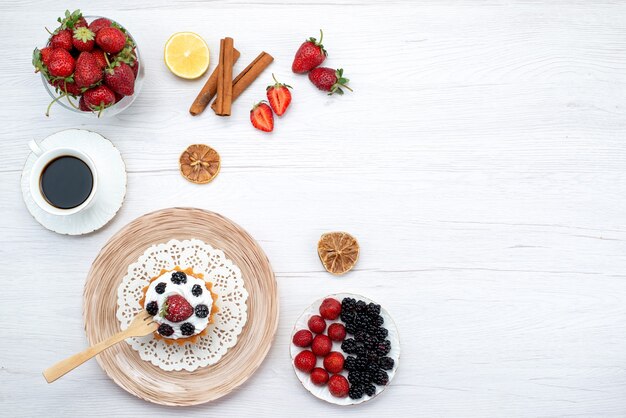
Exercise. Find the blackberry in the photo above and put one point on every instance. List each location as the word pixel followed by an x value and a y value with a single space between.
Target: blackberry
pixel 360 363
pixel 372 367
pixel 152 308
pixel 348 304
pixel 360 350
pixel 202 311
pixel 356 377
pixel 381 333
pixel 370 342
pixel 187 329
pixel 360 335
pixel 356 391
pixel 361 322
pixel 383 348
pixel 386 363
pixel 380 378
pixel 377 321
pixel 346 317
pixel 196 290
pixel 349 363
pixel 360 306
pixel 160 288
pixel 165 330
pixel 372 356
pixel 348 345
pixel 373 309
pixel 179 277
pixel 369 389
pixel 351 328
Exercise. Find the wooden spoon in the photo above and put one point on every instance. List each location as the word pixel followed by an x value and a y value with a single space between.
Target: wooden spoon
pixel 142 324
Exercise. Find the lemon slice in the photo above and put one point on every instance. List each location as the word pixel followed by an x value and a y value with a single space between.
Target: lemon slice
pixel 186 55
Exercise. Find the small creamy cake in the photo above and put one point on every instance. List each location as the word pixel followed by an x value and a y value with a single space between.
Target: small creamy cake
pixel 182 303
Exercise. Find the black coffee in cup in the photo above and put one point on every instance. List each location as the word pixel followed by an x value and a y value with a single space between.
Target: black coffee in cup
pixel 66 182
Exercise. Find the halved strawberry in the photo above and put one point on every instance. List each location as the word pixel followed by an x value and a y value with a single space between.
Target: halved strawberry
pixel 262 118
pixel 279 96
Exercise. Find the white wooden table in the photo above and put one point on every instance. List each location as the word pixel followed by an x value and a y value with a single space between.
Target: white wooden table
pixel 481 162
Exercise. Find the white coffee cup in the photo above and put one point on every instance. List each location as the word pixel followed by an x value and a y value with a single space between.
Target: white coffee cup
pixel 44 157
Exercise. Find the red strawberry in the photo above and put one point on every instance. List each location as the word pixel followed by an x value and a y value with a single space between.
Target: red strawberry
pixel 279 97
pixel 338 386
pixel 321 345
pixel 68 88
pixel 333 362
pixel 120 79
pixel 305 361
pixel 262 118
pixel 80 23
pixel 46 53
pixel 99 98
pixel 98 54
pixel 83 39
pixel 330 308
pixel 62 39
pixel 177 308
pixel 111 40
pixel 303 338
pixel 319 376
pixel 317 324
pixel 99 23
pixel 337 332
pixel 82 105
pixel 135 67
pixel 328 79
pixel 310 54
pixel 87 70
pixel 61 63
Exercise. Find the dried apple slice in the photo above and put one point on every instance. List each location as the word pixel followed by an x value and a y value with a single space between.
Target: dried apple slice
pixel 199 163
pixel 338 251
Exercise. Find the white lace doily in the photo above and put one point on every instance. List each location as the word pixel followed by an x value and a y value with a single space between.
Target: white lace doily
pixel 227 283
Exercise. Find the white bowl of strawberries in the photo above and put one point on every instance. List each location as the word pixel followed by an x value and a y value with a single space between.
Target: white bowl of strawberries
pixel 345 349
pixel 90 65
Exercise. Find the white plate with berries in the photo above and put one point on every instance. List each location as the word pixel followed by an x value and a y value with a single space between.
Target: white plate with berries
pixel 345 349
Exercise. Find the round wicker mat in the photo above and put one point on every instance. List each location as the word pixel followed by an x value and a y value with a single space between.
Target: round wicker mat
pixel 123 364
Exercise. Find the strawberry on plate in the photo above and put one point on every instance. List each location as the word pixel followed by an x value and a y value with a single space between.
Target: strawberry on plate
pixel 83 39
pixel 319 376
pixel 321 345
pixel 337 332
pixel 316 324
pixel 310 54
pixel 338 386
pixel 330 309
pixel 302 338
pixel 305 361
pixel 278 96
pixel 333 362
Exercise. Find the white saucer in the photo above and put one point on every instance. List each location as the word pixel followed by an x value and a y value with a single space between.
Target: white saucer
pixel 111 187
pixel 322 392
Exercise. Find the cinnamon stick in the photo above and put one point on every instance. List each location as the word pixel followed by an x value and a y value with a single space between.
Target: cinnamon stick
pixel 210 88
pixel 246 77
pixel 225 78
